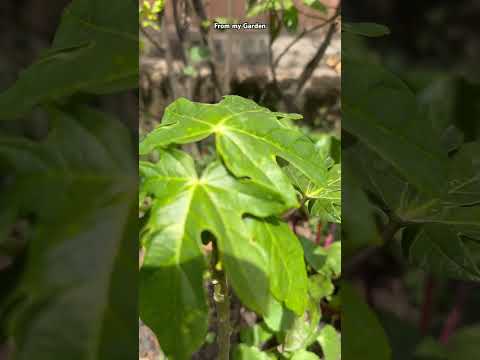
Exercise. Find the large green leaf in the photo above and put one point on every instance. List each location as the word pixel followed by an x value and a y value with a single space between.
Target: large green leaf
pixel 244 352
pixel 322 201
pixel 302 331
pixel 359 229
pixel 329 340
pixel 256 335
pixel 304 355
pixel 440 246
pixel 95 50
pixel 79 184
pixel 441 250
pixel 287 273
pixel 326 261
pixel 184 207
pixel 383 113
pixel 249 138
pixel 404 199
pixel 362 334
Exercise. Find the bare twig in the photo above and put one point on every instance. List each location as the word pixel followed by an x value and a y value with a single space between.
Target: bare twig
pixel 201 14
pixel 301 36
pixel 152 40
pixel 222 300
pixel 179 30
pixel 291 107
pixel 313 63
pixel 169 60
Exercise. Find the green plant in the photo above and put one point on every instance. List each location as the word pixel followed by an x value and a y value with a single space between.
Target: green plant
pixel 68 193
pixel 286 8
pixel 149 11
pixel 234 213
pixel 411 174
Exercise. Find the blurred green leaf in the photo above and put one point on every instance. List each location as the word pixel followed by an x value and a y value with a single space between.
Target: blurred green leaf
pixel 290 19
pixel 366 29
pixel 80 184
pixel 361 332
pixel 98 40
pixel 330 341
pixel 255 335
pixel 244 352
pixel 304 355
pixel 198 54
pixel 317 5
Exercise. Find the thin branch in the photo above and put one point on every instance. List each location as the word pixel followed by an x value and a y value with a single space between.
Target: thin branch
pixel 311 16
pixel 155 43
pixel 291 107
pixel 221 297
pixel 300 37
pixel 202 15
pixel 180 32
pixel 169 60
pixel 313 63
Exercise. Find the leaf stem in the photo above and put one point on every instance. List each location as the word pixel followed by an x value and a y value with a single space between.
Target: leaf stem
pixel 221 297
pixel 426 312
pixel 455 316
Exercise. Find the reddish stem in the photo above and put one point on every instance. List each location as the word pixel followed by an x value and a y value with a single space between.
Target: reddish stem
pixel 318 237
pixel 330 237
pixel 455 315
pixel 426 311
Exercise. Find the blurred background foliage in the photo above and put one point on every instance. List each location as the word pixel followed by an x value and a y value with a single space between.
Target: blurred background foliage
pixel 434 47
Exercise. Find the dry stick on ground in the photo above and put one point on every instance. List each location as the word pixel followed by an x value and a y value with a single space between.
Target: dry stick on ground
pixel 202 16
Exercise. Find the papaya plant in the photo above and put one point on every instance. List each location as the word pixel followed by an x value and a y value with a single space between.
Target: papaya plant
pixel 221 228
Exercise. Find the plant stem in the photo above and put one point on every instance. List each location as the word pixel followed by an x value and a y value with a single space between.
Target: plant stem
pixel 455 316
pixel 426 313
pixel 221 297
